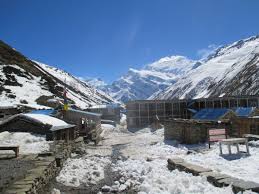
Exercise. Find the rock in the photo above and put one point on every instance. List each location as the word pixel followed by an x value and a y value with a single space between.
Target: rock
pixel 55 191
pixel 117 183
pixel 195 169
pixel 122 180
pixel 239 185
pixel 128 183
pixel 122 187
pixel 97 173
pixel 190 152
pixel 23 101
pixel 115 187
pixel 214 177
pixel 106 189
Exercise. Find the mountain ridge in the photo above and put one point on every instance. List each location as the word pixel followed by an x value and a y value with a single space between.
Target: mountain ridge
pixel 232 70
pixel 153 77
pixel 24 80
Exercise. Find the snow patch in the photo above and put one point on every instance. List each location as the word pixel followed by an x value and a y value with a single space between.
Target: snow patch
pixel 241 166
pixel 85 171
pixel 154 177
pixel 29 143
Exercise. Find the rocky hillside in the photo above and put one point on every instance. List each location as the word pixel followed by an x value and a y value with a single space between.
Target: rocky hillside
pixel 25 81
pixel 231 70
pixel 141 84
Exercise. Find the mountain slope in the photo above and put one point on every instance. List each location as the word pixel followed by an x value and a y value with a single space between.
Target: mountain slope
pixel 232 70
pixel 141 84
pixel 26 81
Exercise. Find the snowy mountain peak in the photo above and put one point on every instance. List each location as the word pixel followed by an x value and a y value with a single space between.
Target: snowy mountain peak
pixel 232 70
pixel 154 77
pixel 169 64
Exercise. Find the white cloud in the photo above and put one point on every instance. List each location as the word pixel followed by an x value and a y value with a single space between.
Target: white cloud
pixel 205 52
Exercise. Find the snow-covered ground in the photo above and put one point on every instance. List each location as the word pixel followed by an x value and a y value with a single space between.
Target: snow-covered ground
pixel 141 164
pixel 29 144
pixel 154 177
pixel 240 166
pixel 83 171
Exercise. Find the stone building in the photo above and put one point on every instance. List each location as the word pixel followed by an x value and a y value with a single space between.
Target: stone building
pixel 191 131
pixel 8 111
pixel 87 124
pixel 53 128
pixel 247 121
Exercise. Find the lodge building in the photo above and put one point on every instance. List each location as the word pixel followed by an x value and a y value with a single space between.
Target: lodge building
pixel 142 113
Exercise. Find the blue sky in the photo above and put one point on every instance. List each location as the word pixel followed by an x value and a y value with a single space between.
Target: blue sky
pixel 104 38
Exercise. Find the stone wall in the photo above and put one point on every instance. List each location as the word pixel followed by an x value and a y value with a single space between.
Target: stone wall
pixel 246 126
pixel 88 124
pixel 189 131
pixel 215 178
pixel 45 167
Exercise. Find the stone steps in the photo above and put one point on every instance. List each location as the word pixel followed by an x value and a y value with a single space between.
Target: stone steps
pixel 217 179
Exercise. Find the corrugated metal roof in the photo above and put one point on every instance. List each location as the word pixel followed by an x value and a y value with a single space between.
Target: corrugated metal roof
pixel 244 111
pixel 44 112
pixel 210 114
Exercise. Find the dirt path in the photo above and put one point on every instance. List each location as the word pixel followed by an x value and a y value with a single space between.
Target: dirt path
pixel 115 141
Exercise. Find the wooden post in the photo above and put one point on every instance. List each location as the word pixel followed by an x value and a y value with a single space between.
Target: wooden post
pixel 229 149
pixel 237 148
pixel 148 114
pixel 172 109
pixel 179 106
pixel 67 136
pixel 139 114
pixel 220 148
pixel 164 111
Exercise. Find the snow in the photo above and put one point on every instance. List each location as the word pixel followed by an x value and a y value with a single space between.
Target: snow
pixel 55 191
pixel 29 143
pixel 29 90
pixel 123 120
pixel 142 164
pixel 142 83
pixel 85 94
pixel 218 69
pixel 241 166
pixel 45 119
pixel 107 127
pixel 254 143
pixel 154 177
pixel 83 171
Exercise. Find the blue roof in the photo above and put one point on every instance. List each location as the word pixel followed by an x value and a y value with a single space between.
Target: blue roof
pixel 244 111
pixel 210 114
pixel 44 112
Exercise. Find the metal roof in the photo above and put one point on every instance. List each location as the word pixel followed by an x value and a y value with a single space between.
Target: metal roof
pixel 211 114
pixel 44 112
pixel 244 111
